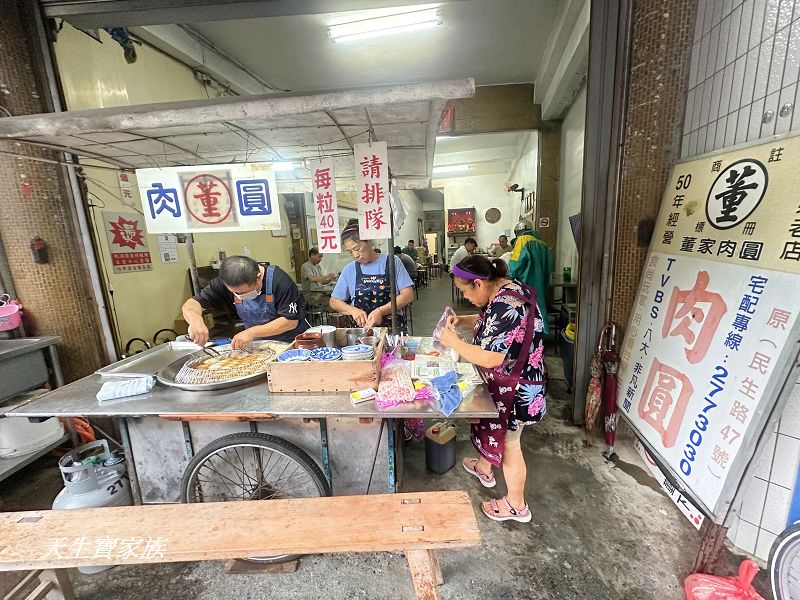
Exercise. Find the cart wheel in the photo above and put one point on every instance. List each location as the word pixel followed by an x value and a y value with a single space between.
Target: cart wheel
pixel 162 336
pixel 252 466
pixel 129 351
pixel 784 564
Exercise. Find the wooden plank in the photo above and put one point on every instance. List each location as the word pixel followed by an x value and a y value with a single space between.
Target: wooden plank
pixel 422 574
pixel 23 583
pixel 437 570
pixel 189 532
pixel 218 417
pixel 243 567
pixel 41 591
pixel 62 586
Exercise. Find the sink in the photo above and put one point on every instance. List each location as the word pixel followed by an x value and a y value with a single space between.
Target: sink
pixel 22 365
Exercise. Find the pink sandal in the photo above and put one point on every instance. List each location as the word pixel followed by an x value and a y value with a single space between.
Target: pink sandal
pixel 471 466
pixel 506 512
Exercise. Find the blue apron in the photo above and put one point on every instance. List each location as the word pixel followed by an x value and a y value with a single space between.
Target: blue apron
pixel 261 310
pixel 373 291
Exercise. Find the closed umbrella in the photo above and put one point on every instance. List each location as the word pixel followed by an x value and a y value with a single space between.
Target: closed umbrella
pixel 594 394
pixel 610 365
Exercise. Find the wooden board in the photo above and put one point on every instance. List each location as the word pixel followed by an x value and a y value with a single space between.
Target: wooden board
pixel 189 532
pixel 243 567
pixel 332 376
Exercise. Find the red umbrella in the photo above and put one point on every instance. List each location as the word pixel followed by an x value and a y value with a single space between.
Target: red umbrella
pixel 611 365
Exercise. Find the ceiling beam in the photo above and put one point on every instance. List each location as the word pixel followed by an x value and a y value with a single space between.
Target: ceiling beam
pixel 217 110
pixel 565 61
pixel 97 14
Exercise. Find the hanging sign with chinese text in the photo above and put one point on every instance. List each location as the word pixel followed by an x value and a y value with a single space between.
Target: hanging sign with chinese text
pixel 126 188
pixel 209 198
pixel 713 335
pixel 326 210
pixel 372 190
pixel 127 242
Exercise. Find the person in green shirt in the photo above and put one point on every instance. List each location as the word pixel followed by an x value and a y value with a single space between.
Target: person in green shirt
pixel 532 264
pixel 411 250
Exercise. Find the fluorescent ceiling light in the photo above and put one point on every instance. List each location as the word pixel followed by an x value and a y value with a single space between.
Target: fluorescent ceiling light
pixel 281 167
pixel 380 26
pixel 451 168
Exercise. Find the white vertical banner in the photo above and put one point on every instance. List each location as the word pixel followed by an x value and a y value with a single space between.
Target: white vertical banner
pixel 326 210
pixel 372 190
pixel 125 188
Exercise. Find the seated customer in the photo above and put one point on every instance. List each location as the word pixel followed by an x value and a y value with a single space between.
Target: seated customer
pixel 408 262
pixel 317 293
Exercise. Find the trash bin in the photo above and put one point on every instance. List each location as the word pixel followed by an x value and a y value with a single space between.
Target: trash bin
pixel 568 353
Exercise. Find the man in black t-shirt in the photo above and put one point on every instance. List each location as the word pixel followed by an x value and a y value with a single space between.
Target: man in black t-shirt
pixel 265 298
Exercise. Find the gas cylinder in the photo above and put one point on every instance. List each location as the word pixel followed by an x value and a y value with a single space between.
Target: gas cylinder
pixel 93 477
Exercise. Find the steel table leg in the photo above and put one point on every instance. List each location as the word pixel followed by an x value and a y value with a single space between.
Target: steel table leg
pixel 325 454
pixel 57 375
pixel 187 439
pixel 391 448
pixel 136 492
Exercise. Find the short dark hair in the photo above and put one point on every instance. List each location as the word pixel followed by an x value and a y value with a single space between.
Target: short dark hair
pixel 238 270
pixel 411 242
pixel 504 236
pixel 480 265
pixel 398 250
pixel 313 252
pixel 470 240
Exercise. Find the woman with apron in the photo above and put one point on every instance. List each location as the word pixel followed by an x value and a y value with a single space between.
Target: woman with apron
pixel 508 349
pixel 363 290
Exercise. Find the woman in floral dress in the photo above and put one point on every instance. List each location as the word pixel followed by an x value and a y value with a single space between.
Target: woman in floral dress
pixel 508 350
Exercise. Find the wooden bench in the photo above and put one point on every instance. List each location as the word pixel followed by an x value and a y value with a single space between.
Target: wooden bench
pixel 417 524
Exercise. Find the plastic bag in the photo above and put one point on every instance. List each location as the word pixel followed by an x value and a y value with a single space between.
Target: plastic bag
pixel 700 586
pixel 437 333
pixel 395 386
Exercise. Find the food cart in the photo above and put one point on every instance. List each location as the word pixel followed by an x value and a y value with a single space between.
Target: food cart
pixel 353 446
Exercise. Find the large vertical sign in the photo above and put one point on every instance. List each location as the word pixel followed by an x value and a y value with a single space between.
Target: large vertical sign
pixel 209 198
pixel 127 242
pixel 714 331
pixel 372 190
pixel 326 209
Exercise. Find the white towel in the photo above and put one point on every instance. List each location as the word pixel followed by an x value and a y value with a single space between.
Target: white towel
pixel 123 388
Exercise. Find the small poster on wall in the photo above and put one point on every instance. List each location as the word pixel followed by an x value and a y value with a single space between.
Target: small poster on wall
pixel 127 242
pixel 461 221
pixel 168 248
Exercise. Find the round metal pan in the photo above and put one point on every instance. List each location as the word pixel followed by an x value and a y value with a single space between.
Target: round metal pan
pixel 167 375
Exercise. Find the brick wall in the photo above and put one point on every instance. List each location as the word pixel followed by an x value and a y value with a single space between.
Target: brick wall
pixel 34 202
pixel 662 32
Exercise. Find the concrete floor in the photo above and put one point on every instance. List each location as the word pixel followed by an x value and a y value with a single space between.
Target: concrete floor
pixel 601 531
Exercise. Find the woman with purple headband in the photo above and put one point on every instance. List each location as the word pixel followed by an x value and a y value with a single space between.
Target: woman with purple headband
pixel 508 349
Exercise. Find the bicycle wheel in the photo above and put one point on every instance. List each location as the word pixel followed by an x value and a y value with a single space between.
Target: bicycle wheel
pixel 252 466
pixel 784 564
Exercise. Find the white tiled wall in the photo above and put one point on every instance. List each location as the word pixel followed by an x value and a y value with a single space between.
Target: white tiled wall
pixel 745 62
pixel 763 508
